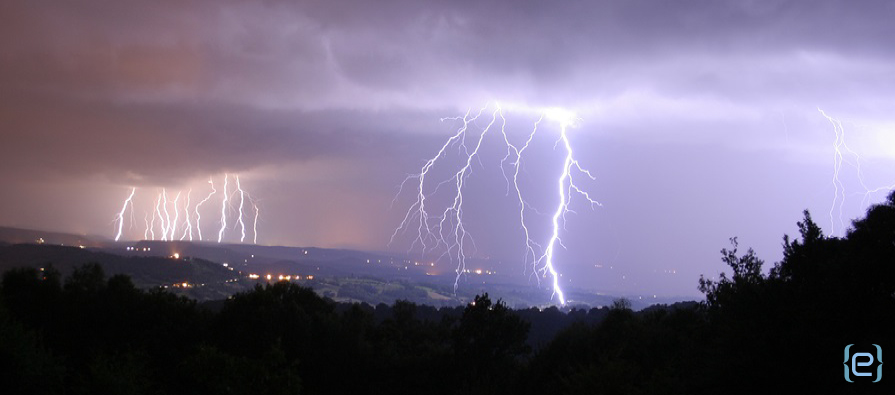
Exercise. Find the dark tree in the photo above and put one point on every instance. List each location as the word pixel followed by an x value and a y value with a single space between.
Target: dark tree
pixel 489 342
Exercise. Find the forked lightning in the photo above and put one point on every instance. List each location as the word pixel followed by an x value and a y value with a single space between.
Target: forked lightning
pixel 446 232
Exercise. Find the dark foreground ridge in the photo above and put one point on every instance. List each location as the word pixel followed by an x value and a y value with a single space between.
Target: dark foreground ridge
pixel 755 332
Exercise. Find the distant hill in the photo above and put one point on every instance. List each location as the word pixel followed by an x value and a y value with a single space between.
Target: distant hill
pixel 217 271
pixel 30 236
pixel 146 272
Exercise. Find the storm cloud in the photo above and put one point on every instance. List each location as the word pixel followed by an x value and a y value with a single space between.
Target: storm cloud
pixel 700 117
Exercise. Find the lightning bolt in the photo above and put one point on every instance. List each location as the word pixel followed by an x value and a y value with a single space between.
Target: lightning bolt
pixel 161 218
pixel 120 217
pixel 455 211
pixel 566 188
pixel 418 209
pixel 167 212
pixel 530 255
pixel 447 230
pixel 199 216
pixel 842 154
pixel 172 225
pixel 223 212
pixel 152 228
pixel 242 199
pixel 255 224
pixel 166 223
pixel 186 210
pixel 452 216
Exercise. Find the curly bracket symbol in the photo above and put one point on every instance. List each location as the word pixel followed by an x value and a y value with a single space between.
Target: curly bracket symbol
pixel 845 363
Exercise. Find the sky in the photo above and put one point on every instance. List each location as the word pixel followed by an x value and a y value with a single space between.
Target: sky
pixel 699 120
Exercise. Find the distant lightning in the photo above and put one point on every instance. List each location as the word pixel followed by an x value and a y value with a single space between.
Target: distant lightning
pixel 418 209
pixel 838 158
pixel 173 226
pixel 199 216
pixel 158 211
pixel 454 214
pixel 223 212
pixel 255 224
pixel 166 224
pixel 133 216
pixel 448 231
pixel 120 217
pixel 843 154
pixel 189 225
pixel 530 254
pixel 239 220
pixel 152 228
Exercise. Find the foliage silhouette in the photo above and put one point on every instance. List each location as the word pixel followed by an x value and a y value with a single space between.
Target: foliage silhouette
pixel 90 334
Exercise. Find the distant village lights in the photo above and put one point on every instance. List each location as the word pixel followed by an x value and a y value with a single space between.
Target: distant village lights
pixel 279 277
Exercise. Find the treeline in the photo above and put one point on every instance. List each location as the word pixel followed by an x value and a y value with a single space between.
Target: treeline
pixel 788 324
pixel 90 334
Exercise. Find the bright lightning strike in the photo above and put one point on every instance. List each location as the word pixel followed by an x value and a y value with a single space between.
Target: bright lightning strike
pixel 158 210
pixel 166 227
pixel 172 226
pixel 223 212
pixel 166 217
pixel 843 154
pixel 255 224
pixel 186 209
pixel 447 230
pixel 566 188
pixel 242 198
pixel 120 217
pixel 199 216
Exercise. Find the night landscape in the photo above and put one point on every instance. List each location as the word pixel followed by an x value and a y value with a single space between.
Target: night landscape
pixel 521 197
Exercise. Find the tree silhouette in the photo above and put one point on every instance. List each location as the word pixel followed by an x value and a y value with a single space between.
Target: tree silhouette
pixel 488 343
pixel 91 334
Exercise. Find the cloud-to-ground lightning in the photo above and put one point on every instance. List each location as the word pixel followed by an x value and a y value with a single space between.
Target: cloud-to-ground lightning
pixel 166 220
pixel 158 211
pixel 172 225
pixel 165 215
pixel 223 212
pixel 242 198
pixel 530 254
pixel 255 224
pixel 199 216
pixel 843 154
pixel 566 188
pixel 120 217
pixel 418 209
pixel 189 225
pixel 447 230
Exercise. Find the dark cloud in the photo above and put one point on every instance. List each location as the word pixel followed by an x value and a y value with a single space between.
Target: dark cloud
pixel 362 54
